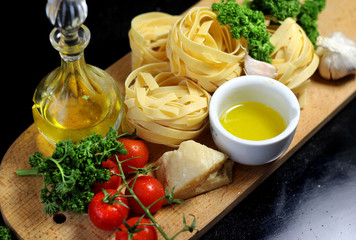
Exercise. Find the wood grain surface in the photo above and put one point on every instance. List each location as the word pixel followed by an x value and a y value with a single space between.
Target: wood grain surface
pixel 20 202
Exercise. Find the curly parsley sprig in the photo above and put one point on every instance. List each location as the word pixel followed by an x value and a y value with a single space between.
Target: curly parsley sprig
pixel 69 173
pixel 247 23
pixel 5 233
pixel 305 13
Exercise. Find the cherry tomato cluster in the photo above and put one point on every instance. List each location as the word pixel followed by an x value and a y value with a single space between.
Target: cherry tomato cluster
pixel 108 209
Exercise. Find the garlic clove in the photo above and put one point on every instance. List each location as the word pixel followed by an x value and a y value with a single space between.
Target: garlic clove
pixel 332 66
pixel 337 56
pixel 255 67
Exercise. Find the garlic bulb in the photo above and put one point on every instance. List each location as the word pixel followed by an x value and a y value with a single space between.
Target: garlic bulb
pixel 337 56
pixel 255 67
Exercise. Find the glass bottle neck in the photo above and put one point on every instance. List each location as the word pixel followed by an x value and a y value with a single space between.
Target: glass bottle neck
pixel 76 81
pixel 76 65
pixel 71 44
pixel 71 57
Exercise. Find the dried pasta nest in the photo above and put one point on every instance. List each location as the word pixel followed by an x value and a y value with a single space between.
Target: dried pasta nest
pixel 162 107
pixel 148 37
pixel 200 48
pixel 294 57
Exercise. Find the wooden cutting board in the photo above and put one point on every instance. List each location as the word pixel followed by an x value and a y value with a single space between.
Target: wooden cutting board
pixel 20 202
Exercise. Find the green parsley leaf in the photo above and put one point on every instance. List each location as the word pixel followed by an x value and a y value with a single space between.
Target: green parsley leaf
pixel 69 173
pixel 247 23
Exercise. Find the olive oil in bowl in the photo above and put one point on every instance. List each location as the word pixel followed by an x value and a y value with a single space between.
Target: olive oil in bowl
pixel 235 114
pixel 252 121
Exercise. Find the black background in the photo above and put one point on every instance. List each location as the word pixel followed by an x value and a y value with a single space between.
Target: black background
pixel 311 196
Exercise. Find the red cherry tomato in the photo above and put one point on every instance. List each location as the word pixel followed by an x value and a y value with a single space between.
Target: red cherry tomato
pixel 106 214
pixel 114 182
pixel 137 150
pixel 148 189
pixel 148 232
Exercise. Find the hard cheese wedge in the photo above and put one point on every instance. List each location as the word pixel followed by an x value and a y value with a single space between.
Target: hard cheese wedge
pixel 193 169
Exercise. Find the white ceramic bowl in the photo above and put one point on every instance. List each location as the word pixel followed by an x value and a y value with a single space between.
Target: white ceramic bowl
pixel 259 89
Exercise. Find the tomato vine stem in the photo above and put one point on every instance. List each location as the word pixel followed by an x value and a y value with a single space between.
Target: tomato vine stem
pixel 146 209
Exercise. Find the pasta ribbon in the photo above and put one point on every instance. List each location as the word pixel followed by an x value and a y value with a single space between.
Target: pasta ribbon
pixel 148 37
pixel 200 48
pixel 294 57
pixel 162 107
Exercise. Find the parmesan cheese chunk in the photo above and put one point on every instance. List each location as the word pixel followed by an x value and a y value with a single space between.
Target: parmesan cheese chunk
pixel 193 169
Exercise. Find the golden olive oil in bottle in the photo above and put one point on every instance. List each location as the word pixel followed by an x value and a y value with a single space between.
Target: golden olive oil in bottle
pixel 76 99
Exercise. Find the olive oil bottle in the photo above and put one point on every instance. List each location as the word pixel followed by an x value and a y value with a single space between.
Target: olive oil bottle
pixel 76 99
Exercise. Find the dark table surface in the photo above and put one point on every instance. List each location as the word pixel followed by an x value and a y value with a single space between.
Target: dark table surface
pixel 311 196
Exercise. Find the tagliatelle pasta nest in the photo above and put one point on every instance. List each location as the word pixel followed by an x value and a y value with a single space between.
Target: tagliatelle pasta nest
pixel 200 48
pixel 294 57
pixel 162 107
pixel 148 37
